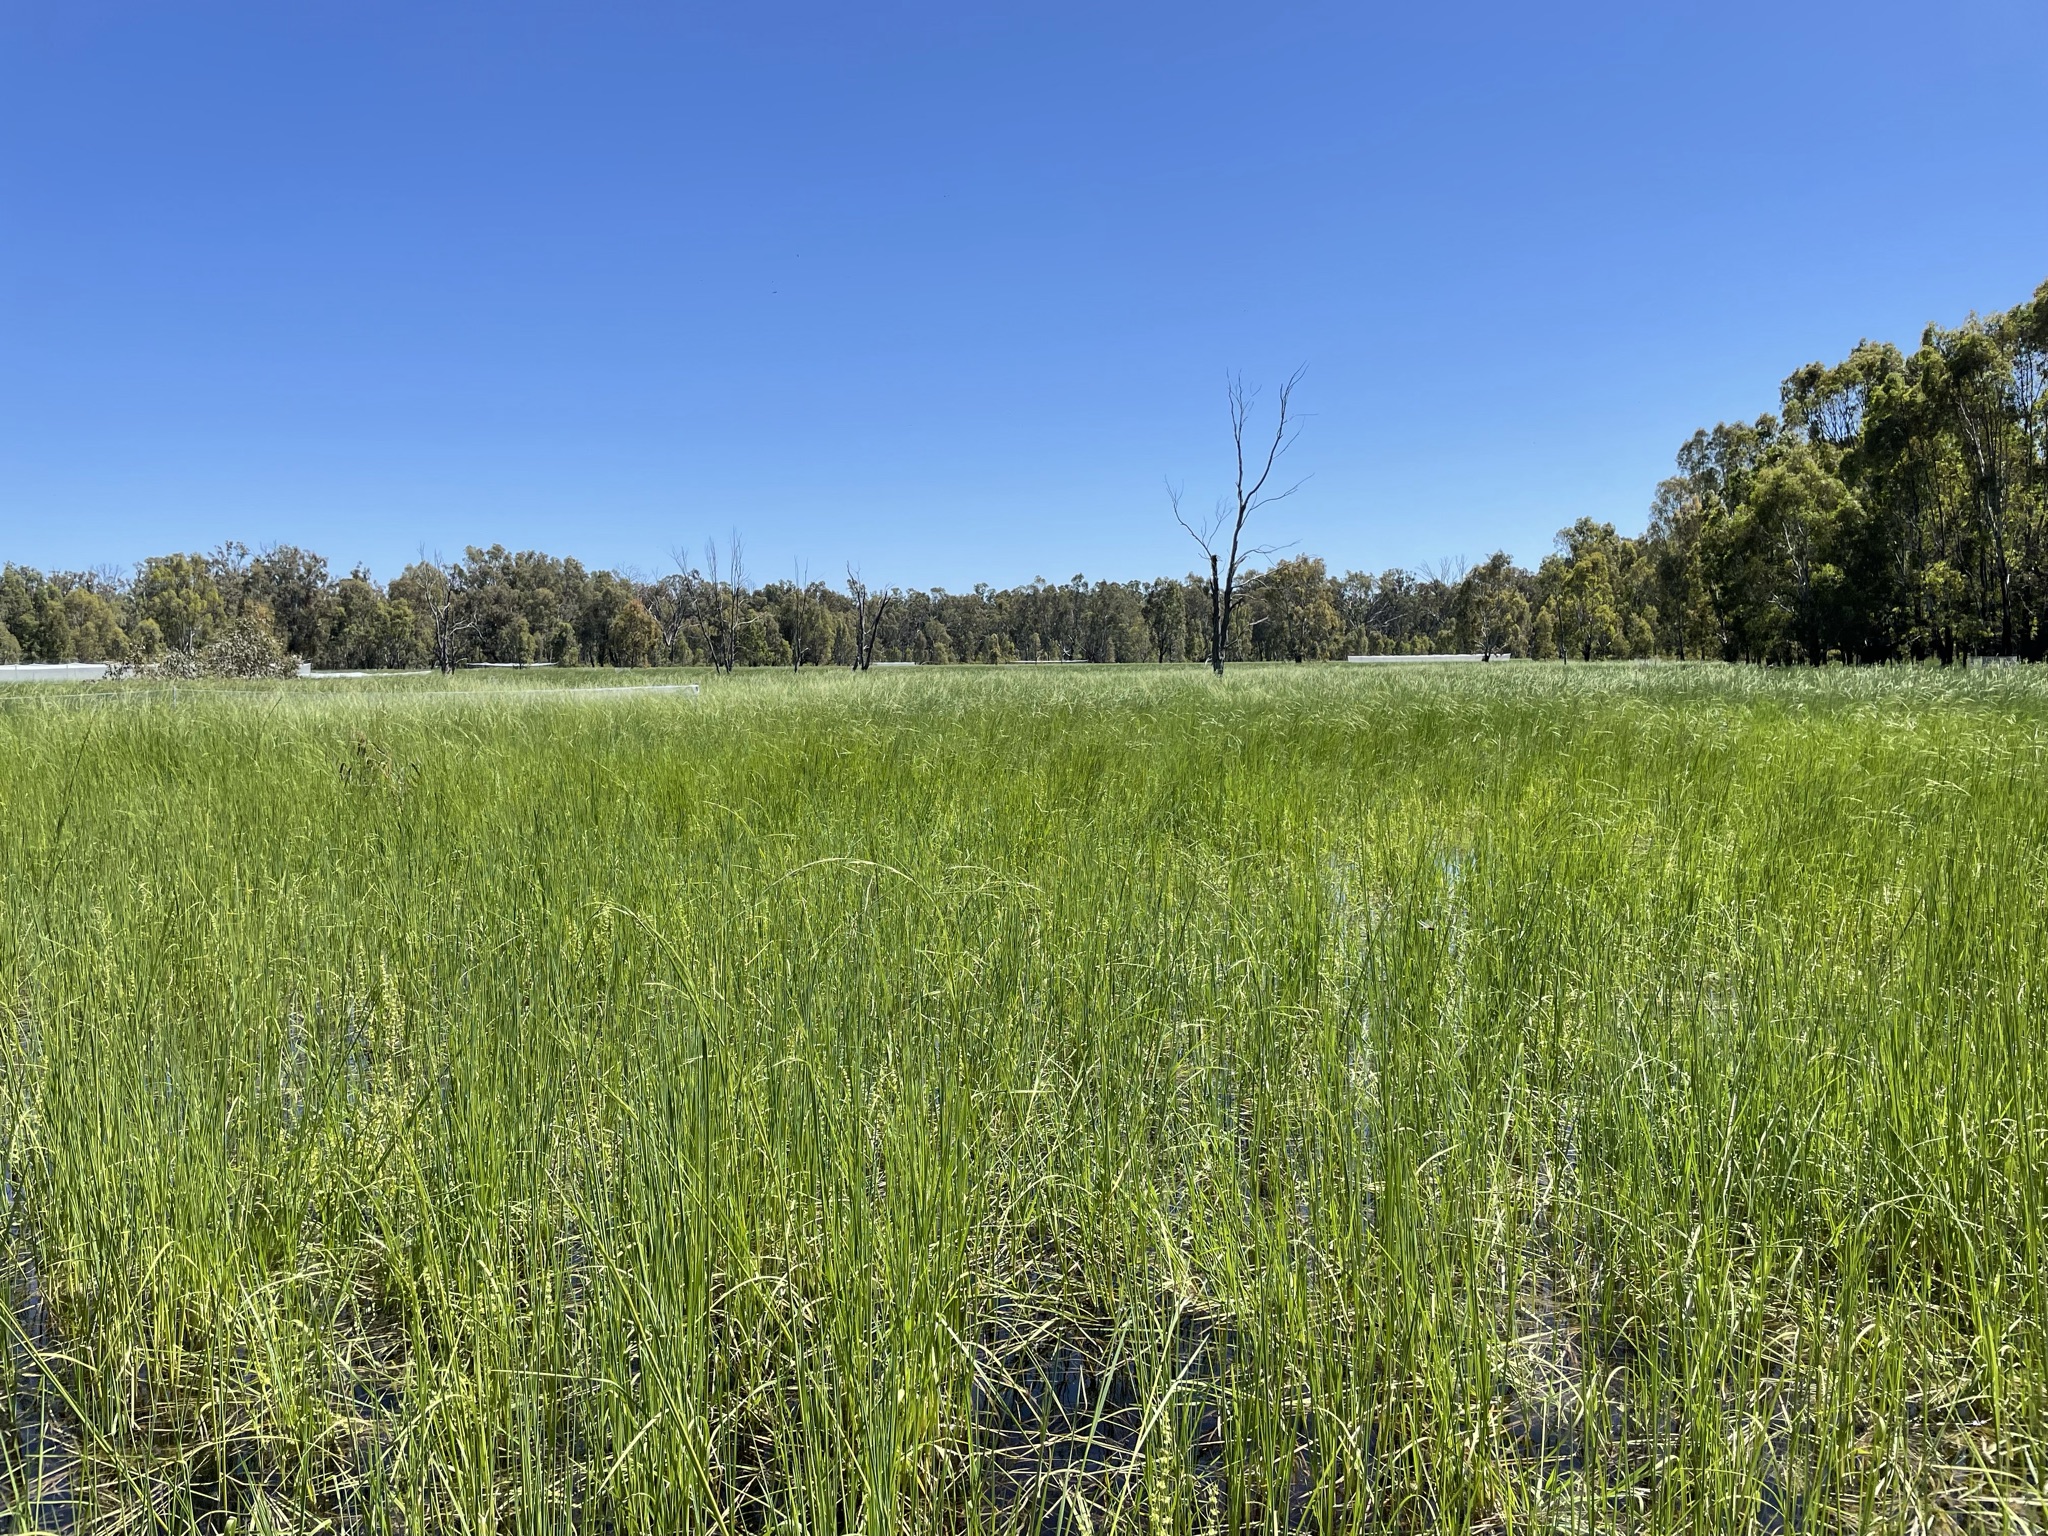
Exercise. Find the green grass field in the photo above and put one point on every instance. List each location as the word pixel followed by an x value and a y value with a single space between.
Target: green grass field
pixel 1078 1100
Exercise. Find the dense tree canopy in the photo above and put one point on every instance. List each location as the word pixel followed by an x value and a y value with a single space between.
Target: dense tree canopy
pixel 1896 507
pixel 498 606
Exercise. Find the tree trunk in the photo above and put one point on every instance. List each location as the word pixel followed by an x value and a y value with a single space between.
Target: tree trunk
pixel 1219 617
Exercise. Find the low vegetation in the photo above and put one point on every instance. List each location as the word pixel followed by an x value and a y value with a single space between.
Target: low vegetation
pixel 1512 1098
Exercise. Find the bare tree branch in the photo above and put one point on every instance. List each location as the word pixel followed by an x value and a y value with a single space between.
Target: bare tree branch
pixel 868 609
pixel 1249 494
pixel 799 611
pixel 728 601
pixel 440 588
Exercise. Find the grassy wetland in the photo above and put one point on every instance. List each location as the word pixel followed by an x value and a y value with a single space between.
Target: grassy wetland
pixel 1506 1099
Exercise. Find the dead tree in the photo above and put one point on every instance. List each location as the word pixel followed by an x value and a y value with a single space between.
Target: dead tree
pixel 438 589
pixel 676 601
pixel 1254 472
pixel 728 603
pixel 799 612
pixel 868 609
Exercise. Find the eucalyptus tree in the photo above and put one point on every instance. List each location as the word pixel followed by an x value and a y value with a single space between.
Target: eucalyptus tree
pixel 1297 610
pixel 1493 607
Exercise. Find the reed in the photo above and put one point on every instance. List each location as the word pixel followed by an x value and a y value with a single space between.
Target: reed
pixel 1512 1098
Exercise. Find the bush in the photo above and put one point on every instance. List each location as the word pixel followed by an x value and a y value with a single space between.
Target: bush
pixel 245 649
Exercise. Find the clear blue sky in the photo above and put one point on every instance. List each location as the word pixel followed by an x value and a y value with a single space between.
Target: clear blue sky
pixel 948 291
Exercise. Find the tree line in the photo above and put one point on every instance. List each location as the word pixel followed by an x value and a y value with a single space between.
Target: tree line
pixel 497 606
pixel 1895 507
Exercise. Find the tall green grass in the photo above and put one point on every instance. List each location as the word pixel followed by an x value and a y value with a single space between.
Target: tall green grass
pixel 1513 1099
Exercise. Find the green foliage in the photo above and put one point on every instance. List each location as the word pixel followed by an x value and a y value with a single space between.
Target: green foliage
pixel 370 630
pixel 245 648
pixel 632 635
pixel 1493 609
pixel 1899 509
pixel 1496 1099
pixel 92 620
pixel 180 596
pixel 560 647
pixel 67 616
pixel 290 587
pixel 1170 620
pixel 1295 612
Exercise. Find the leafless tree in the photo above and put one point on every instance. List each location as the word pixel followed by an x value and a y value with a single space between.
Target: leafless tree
pixel 1227 562
pixel 438 590
pixel 799 613
pixel 728 602
pixel 868 609
pixel 673 602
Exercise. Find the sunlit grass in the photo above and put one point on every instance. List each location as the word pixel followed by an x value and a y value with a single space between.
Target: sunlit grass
pixel 1518 1098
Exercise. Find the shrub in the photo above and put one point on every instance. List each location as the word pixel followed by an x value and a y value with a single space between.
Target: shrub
pixel 245 649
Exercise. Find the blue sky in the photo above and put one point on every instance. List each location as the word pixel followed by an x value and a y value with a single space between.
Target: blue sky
pixel 949 291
